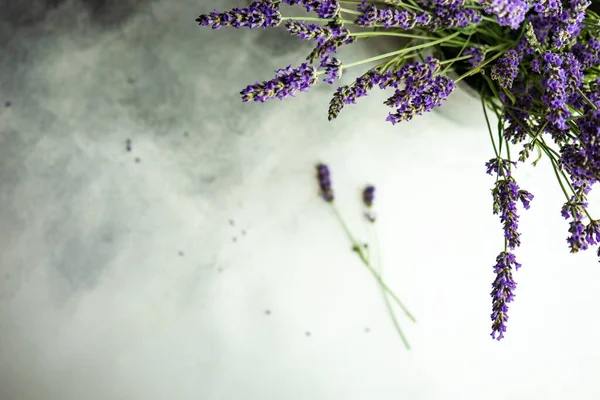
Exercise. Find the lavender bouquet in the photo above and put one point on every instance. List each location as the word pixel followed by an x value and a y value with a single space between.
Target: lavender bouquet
pixel 534 63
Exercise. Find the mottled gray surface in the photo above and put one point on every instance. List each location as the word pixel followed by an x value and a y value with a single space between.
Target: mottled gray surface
pixel 193 266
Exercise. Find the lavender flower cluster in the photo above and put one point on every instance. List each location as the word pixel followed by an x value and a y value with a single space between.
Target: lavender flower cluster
pixel 536 64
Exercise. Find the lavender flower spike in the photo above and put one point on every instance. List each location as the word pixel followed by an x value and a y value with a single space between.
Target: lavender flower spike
pixel 323 176
pixel 259 14
pixel 287 82
pixel 507 68
pixel 315 32
pixel 502 292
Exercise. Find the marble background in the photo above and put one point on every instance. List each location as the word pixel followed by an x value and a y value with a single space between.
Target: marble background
pixel 203 265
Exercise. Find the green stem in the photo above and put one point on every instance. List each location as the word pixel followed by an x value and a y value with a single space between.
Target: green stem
pixel 307 19
pixel 353 12
pixel 452 60
pixel 380 33
pixel 395 321
pixel 405 50
pixel 477 69
pixel 366 262
pixel 385 295
pixel 586 99
pixel 487 120
pixel 459 54
pixel 554 162
pixel 379 258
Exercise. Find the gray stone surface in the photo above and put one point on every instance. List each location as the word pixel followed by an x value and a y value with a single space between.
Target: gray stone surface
pixel 202 265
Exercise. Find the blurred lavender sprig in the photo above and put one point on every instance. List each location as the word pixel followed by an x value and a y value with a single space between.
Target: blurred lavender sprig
pixel 368 196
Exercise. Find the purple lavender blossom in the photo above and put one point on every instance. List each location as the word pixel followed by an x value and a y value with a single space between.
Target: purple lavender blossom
pixel 587 53
pixel 506 193
pixel 500 166
pixel 391 17
pixel 574 71
pixel 580 236
pixel 259 14
pixel 315 32
pixel 542 26
pixel 348 94
pixel 506 68
pixel 369 195
pixel 422 90
pixel 476 56
pixel 570 23
pixel 548 8
pixel 502 292
pixel 449 4
pixel 592 232
pixel 333 68
pixel 447 14
pixel 508 12
pixel 325 9
pixel 577 238
pixel 286 83
pixel 323 176
pixel 338 36
pixel 422 99
pixel 582 158
pixel 444 18
pixel 555 83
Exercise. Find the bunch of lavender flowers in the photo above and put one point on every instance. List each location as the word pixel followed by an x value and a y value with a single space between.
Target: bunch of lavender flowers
pixel 535 63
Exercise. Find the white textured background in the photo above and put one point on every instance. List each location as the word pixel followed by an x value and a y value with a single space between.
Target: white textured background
pixel 126 280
